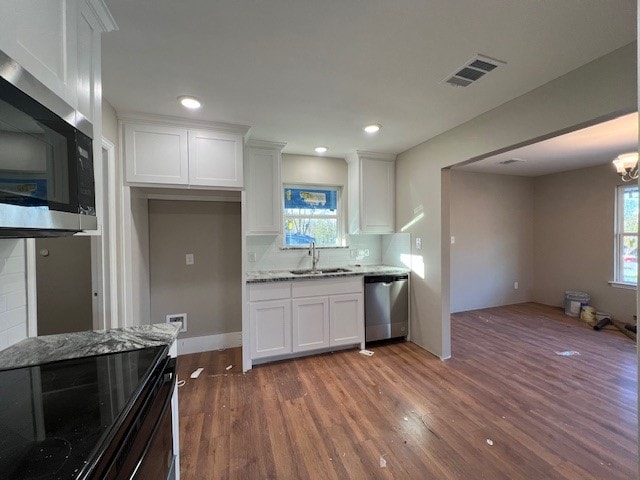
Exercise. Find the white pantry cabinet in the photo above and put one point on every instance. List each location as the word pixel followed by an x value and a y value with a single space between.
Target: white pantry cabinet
pixel 169 152
pixel 371 193
pixel 305 315
pixel 263 187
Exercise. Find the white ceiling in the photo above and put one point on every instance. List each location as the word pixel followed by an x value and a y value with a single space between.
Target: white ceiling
pixel 314 72
pixel 583 148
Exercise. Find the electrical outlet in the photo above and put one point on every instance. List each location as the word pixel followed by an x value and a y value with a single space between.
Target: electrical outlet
pixel 251 257
pixel 515 285
pixel 189 259
pixel 178 317
pixel 418 243
pixel 366 252
pixel 453 239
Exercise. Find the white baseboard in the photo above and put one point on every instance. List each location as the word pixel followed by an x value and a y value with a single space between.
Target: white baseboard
pixel 208 343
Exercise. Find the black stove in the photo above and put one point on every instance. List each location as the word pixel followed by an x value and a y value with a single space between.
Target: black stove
pixel 58 419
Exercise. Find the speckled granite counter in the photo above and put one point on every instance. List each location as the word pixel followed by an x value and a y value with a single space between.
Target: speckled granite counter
pixel 52 348
pixel 286 275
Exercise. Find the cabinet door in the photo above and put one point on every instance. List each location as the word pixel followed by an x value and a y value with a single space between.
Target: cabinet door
pixel 156 154
pixel 310 317
pixel 377 196
pixel 41 37
pixel 215 159
pixel 347 319
pixel 264 199
pixel 270 328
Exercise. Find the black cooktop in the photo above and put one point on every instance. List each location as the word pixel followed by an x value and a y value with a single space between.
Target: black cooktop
pixel 56 417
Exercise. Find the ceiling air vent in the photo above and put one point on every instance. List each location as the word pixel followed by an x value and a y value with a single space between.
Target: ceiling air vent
pixel 512 160
pixel 473 70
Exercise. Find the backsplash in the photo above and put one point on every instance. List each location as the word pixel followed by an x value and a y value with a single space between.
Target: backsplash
pixel 381 249
pixel 13 293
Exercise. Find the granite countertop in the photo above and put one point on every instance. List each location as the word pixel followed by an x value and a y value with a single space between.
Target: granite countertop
pixel 286 275
pixel 65 346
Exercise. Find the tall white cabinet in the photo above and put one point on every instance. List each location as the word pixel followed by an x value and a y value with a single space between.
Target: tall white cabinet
pixel 371 192
pixel 263 187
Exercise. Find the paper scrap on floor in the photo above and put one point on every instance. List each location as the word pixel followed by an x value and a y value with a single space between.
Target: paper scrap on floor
pixel 567 353
pixel 383 462
pixel 368 353
pixel 196 373
pixel 229 367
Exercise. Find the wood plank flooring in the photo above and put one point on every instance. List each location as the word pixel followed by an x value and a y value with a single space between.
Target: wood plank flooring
pixel 504 407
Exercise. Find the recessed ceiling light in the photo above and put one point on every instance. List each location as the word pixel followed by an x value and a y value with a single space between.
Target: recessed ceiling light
pixel 189 102
pixel 373 128
pixel 321 149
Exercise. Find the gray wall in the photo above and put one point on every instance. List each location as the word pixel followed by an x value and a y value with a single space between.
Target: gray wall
pixel 64 285
pixel 210 290
pixel 574 246
pixel 590 92
pixel 492 221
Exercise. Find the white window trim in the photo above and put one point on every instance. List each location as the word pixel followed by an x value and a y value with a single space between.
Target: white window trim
pixel 340 216
pixel 619 234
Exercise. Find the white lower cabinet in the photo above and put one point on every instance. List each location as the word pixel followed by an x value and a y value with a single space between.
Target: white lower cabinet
pixel 347 325
pixel 310 323
pixel 270 328
pixel 306 315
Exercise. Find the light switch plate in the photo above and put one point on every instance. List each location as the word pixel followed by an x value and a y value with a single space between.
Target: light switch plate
pixel 418 243
pixel 189 258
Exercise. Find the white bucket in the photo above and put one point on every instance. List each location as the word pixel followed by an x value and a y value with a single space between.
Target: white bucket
pixel 574 301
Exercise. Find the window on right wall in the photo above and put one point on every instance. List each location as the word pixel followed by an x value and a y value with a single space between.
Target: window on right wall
pixel 626 247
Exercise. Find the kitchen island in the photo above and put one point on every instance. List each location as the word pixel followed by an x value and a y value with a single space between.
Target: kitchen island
pixel 90 405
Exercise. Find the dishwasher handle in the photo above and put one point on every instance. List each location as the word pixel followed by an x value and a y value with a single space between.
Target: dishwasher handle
pixel 386 279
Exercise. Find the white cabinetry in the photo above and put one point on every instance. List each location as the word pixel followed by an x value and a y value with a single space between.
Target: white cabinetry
pixel 263 187
pixel 305 315
pixel 156 154
pixel 270 319
pixel 215 159
pixel 58 42
pixel 166 152
pixel 310 323
pixel 371 192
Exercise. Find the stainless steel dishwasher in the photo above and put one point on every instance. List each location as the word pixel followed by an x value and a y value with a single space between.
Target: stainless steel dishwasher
pixel 386 306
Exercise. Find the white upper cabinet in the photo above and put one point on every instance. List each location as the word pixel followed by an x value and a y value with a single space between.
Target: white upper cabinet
pixel 169 152
pixel 263 187
pixel 215 159
pixel 58 42
pixel 156 154
pixel 41 36
pixel 371 192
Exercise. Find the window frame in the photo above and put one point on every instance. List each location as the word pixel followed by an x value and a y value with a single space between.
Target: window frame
pixel 339 216
pixel 620 234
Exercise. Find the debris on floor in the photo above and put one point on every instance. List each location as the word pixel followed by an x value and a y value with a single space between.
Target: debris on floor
pixel 383 462
pixel 181 383
pixel 567 353
pixel 406 419
pixel 489 442
pixel 368 353
pixel 229 367
pixel 196 373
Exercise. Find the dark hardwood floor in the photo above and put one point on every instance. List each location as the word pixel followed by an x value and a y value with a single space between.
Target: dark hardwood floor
pixel 504 407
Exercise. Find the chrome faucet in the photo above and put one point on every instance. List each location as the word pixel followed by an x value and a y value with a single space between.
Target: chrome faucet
pixel 315 256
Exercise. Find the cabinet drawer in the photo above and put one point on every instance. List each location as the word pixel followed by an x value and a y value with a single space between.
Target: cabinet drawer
pixel 326 286
pixel 269 291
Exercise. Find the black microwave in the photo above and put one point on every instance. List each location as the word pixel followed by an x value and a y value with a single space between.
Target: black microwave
pixel 46 160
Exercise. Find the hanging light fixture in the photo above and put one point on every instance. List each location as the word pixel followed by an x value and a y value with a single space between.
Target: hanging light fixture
pixel 627 166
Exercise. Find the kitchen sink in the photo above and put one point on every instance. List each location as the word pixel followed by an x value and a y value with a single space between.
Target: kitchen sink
pixel 320 271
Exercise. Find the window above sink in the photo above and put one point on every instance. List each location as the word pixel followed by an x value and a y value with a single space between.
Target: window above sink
pixel 312 213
